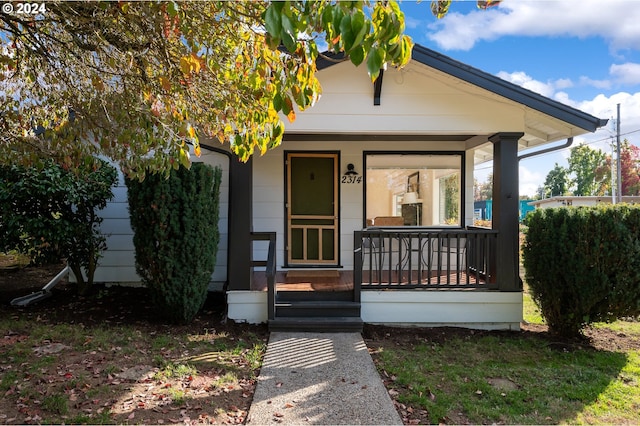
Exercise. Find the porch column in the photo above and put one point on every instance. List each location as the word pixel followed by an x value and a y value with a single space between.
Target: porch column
pixel 240 224
pixel 505 208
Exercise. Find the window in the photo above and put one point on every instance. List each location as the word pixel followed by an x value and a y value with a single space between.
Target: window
pixel 413 189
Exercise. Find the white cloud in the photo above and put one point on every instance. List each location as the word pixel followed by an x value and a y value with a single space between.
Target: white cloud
pixel 598 84
pixel 601 106
pixel 614 20
pixel 564 83
pixel 547 89
pixel 627 73
pixel 411 22
pixel 606 107
pixel 529 181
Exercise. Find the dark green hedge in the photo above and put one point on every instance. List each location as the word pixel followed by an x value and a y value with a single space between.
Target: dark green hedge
pixel 583 264
pixel 51 213
pixel 175 223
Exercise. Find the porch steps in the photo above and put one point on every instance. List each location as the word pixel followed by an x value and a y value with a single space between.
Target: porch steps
pixel 316 311
pixel 324 296
pixel 317 324
pixel 317 308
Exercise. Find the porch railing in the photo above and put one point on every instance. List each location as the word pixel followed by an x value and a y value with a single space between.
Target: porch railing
pixel 270 268
pixel 410 258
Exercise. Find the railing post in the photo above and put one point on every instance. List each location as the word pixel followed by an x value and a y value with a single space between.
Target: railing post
pixel 270 269
pixel 271 278
pixel 357 265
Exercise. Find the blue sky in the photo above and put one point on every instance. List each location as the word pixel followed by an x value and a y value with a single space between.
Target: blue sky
pixel 584 53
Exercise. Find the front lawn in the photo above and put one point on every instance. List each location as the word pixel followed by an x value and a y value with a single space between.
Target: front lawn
pixel 458 376
pixel 106 359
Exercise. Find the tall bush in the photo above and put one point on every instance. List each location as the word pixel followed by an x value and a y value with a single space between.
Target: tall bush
pixel 51 213
pixel 175 223
pixel 583 265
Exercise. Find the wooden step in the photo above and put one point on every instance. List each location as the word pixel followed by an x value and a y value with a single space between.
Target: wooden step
pixel 293 295
pixel 317 308
pixel 317 324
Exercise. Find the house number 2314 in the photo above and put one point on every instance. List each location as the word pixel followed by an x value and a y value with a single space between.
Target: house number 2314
pixel 351 179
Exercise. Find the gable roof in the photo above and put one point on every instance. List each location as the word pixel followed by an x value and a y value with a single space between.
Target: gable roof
pixel 491 83
pixel 506 89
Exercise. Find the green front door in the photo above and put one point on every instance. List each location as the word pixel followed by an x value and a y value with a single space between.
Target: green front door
pixel 312 208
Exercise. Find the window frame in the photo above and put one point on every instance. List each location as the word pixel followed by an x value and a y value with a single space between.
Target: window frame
pixel 461 154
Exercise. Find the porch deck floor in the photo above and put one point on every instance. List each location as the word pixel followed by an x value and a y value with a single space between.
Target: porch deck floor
pixel 344 282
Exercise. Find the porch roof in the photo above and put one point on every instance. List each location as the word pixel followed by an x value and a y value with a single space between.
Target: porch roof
pixel 546 120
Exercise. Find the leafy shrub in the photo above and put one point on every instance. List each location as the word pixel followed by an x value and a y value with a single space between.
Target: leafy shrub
pixel 175 223
pixel 583 265
pixel 51 213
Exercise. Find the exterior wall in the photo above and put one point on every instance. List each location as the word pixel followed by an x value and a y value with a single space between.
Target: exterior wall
pixel 414 100
pixel 269 190
pixel 473 309
pixel 247 306
pixel 489 310
pixel 118 262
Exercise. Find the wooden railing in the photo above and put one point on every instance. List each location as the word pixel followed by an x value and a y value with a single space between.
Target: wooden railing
pixel 411 258
pixel 270 268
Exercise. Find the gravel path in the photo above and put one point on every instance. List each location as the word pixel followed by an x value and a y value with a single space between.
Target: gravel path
pixel 320 378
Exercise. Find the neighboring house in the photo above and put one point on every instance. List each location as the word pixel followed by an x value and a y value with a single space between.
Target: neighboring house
pixel 482 209
pixel 372 190
pixel 570 200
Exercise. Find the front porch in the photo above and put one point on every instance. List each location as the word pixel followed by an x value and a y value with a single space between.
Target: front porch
pixel 399 258
pixel 401 276
pixel 401 160
pixel 343 281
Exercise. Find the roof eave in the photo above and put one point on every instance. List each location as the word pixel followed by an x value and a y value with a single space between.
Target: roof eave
pixel 506 89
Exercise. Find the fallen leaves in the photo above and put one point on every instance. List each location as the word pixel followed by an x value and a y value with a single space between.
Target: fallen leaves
pixel 92 382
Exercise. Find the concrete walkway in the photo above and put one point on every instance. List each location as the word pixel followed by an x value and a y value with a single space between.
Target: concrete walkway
pixel 322 379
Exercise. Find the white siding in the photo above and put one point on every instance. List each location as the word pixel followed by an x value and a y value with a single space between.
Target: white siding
pixel 118 262
pixel 414 100
pixel 489 310
pixel 269 189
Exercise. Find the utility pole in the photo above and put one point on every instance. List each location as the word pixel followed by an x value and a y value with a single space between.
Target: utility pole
pixel 618 167
pixel 613 177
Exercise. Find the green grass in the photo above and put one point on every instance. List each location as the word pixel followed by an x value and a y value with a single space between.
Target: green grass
pixel 545 385
pixel 530 312
pixel 176 370
pixel 80 384
pixel 56 404
pixel 514 379
pixel 8 379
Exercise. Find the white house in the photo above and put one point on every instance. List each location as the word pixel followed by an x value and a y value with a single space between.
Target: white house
pixel 369 202
pixel 576 201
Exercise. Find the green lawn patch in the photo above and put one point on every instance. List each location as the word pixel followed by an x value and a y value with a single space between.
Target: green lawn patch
pixel 461 376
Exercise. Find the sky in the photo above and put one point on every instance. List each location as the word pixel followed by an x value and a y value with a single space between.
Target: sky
pixel 583 53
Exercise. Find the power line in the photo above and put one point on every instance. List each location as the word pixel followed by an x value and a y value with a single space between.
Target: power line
pixel 584 143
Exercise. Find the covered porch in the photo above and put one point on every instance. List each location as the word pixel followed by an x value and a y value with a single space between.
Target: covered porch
pixel 401 275
pixel 436 120
pixel 401 258
pixel 452 275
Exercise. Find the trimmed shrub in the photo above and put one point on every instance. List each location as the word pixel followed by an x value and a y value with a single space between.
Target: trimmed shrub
pixel 583 265
pixel 50 213
pixel 175 224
